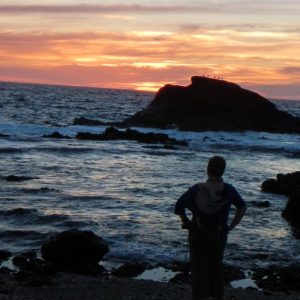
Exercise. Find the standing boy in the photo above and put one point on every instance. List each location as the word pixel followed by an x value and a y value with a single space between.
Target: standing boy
pixel 209 203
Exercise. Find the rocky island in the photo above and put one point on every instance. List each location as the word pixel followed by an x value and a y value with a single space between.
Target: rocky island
pixel 213 104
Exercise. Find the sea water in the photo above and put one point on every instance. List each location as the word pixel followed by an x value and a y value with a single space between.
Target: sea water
pixel 123 190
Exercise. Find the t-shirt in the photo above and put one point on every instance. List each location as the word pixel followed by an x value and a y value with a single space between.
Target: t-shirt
pixel 219 218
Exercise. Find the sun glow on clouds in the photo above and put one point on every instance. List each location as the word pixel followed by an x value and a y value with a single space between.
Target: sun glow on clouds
pixel 146 46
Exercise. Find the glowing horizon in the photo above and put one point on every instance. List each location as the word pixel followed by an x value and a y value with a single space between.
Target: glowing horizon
pixel 144 46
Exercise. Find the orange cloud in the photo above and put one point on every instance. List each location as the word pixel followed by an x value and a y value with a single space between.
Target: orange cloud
pixel 146 59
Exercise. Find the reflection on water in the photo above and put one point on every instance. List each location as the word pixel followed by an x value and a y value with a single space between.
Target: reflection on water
pixel 125 191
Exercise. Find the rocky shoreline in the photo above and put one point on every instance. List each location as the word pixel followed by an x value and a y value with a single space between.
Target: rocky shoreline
pixel 69 267
pixel 67 286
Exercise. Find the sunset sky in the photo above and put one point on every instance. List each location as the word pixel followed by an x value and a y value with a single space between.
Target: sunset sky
pixel 148 43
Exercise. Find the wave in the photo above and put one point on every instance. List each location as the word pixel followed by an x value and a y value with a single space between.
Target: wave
pixel 28 234
pixel 11 150
pixel 31 216
pixel 20 211
pixel 70 224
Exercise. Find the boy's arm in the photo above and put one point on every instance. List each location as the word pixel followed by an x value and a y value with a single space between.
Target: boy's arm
pixel 239 214
pixel 185 201
pixel 240 205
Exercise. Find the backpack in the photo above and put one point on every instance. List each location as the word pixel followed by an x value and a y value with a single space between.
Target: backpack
pixel 210 204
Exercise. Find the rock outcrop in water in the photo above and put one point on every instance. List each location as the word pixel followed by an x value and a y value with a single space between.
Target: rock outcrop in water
pixel 287 184
pixel 211 104
pixel 284 184
pixel 292 211
pixel 56 135
pixel 112 133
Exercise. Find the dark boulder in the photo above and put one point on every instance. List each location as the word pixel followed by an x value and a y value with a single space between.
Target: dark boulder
pixel 75 251
pixel 283 184
pixel 20 261
pixel 112 133
pixel 4 135
pixel 292 210
pixel 130 269
pixel 87 122
pixel 56 135
pixel 4 255
pixel 212 104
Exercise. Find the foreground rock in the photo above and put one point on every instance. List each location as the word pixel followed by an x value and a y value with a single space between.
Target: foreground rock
pixel 130 269
pixel 112 133
pixel 211 104
pixel 75 251
pixel 283 184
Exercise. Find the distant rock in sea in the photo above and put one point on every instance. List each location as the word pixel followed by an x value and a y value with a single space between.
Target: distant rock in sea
pixel 87 122
pixel 56 135
pixel 112 133
pixel 213 104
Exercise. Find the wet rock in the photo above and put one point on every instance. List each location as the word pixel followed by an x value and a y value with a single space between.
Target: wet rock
pixel 4 255
pixel 292 210
pixel 75 251
pixel 183 277
pixel 87 122
pixel 232 273
pixel 56 135
pixel 112 133
pixel 130 269
pixel 213 104
pixel 284 184
pixel 20 261
pixel 18 178
pixel 278 279
pixel 262 204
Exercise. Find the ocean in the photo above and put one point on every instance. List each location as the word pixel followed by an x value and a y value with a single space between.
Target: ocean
pixel 123 190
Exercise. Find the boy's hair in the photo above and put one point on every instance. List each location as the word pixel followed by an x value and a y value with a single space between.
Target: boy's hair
pixel 216 166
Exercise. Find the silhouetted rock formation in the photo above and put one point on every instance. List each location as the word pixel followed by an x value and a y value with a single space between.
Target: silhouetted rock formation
pixel 75 251
pixel 112 133
pixel 212 104
pixel 284 184
pixel 287 184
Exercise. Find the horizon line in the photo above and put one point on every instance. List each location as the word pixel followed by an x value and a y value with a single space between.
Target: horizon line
pixel 110 88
